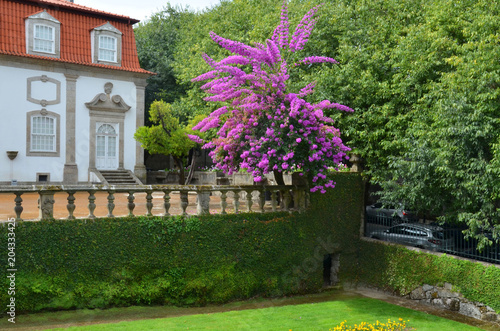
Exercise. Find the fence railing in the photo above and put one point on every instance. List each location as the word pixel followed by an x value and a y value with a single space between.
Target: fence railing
pixel 449 240
pixel 235 199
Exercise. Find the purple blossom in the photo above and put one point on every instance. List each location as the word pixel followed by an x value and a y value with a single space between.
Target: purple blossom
pixel 263 125
pixel 196 139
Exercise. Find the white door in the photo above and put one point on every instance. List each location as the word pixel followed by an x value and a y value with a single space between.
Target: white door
pixel 106 147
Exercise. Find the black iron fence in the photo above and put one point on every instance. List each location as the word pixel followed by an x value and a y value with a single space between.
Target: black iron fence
pixel 447 239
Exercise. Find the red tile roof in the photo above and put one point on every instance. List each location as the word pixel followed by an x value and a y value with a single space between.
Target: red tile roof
pixel 76 23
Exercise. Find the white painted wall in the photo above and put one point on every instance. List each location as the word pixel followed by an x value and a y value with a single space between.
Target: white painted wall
pixel 13 109
pixel 13 135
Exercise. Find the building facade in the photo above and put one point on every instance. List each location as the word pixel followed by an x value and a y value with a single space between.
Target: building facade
pixel 72 93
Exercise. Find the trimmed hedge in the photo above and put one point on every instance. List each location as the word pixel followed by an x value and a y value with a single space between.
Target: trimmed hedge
pixel 216 258
pixel 399 269
pixel 180 261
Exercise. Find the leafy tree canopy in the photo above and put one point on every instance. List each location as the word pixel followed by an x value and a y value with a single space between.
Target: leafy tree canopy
pixel 167 136
pixel 422 77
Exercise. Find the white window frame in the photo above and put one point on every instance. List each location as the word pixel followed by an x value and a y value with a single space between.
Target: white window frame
pixel 32 137
pixel 51 40
pixel 103 49
pixel 106 30
pixel 43 19
pixel 44 140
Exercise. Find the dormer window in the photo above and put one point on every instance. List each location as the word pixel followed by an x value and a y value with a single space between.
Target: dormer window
pixel 106 45
pixel 42 35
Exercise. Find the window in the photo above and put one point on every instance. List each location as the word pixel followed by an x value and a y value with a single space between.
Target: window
pixel 106 41
pixel 43 133
pixel 42 35
pixel 43 39
pixel 107 48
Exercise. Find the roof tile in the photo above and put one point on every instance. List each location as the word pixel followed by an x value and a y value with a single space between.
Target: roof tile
pixel 76 24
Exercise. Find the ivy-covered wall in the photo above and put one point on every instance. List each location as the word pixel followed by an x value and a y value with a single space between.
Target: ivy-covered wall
pixel 215 258
pixel 181 261
pixel 399 269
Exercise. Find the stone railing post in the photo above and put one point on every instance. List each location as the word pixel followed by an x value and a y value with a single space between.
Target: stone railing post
pixel 18 209
pixel 71 205
pixel 46 205
pixel 184 201
pixel 203 206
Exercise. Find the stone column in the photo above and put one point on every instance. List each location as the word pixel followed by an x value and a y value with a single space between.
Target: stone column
pixel 140 168
pixel 70 175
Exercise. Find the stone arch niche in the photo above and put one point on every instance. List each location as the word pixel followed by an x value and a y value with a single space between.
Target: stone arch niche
pixel 109 109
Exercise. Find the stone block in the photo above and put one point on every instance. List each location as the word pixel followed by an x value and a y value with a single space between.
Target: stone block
pixel 438 303
pixel 452 304
pixel 417 294
pixel 443 293
pixel 427 287
pixel 469 309
pixel 448 286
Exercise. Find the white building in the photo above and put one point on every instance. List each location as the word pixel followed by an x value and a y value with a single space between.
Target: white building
pixel 72 93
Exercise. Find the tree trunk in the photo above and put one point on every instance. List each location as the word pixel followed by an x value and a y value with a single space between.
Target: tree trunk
pixel 180 165
pixel 278 177
pixel 191 169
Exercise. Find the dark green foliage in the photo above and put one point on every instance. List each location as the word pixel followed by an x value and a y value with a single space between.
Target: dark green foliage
pixel 179 261
pixel 398 269
pixel 214 259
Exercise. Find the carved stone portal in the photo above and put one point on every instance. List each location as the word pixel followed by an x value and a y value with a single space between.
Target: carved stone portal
pixel 107 103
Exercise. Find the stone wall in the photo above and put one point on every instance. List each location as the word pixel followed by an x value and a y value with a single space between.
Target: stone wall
pixel 445 297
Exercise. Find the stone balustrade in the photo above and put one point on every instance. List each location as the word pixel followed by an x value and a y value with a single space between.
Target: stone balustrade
pixel 244 198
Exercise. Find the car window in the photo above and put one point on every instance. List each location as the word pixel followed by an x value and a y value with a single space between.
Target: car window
pixel 417 232
pixel 397 229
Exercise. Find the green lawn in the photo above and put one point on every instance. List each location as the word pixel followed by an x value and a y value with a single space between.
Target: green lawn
pixel 311 316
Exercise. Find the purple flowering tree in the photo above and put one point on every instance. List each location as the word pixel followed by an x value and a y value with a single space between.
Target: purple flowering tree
pixel 263 127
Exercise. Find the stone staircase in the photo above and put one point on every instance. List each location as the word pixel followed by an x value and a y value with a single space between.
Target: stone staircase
pixel 120 177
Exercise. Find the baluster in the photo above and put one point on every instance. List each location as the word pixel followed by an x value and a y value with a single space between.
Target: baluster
pixel 236 201
pixel 111 203
pixel 223 202
pixel 149 202
pixel 249 200
pixel 203 206
pixel 71 205
pixel 262 200
pixel 18 208
pixel 91 204
pixel 274 202
pixel 286 200
pixel 131 204
pixel 184 201
pixel 166 201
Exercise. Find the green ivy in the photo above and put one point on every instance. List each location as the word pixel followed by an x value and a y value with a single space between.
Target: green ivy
pixel 193 261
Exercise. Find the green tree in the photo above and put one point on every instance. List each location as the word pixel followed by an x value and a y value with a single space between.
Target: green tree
pixel 167 136
pixel 156 40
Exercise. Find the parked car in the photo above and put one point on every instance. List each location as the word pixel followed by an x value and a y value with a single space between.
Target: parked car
pixel 419 235
pixel 389 215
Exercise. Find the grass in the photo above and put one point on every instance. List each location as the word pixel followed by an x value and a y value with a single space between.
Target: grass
pixel 311 316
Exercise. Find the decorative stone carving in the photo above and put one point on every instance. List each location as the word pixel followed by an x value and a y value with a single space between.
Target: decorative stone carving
pixel 107 103
pixel 46 205
pixel 52 89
